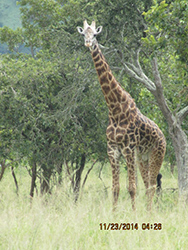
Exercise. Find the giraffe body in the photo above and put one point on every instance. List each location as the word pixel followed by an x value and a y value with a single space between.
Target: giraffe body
pixel 129 132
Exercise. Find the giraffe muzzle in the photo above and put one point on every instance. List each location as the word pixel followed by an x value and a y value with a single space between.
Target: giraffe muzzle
pixel 88 44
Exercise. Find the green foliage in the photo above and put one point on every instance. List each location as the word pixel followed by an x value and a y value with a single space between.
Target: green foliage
pixel 13 38
pixel 167 39
pixel 50 112
pixel 169 22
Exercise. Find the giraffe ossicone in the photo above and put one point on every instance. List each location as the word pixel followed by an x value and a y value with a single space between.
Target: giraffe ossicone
pixel 129 132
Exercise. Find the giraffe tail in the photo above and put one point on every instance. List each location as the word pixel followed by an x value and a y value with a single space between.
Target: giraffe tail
pixel 159 183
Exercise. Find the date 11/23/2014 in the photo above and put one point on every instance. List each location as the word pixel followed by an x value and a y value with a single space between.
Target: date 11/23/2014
pixel 130 226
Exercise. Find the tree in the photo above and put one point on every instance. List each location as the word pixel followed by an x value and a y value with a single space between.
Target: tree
pixel 167 31
pixel 48 107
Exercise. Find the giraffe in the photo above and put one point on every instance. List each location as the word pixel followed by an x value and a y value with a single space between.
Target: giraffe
pixel 129 133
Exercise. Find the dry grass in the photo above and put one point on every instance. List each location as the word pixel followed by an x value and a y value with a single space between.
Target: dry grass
pixel 55 222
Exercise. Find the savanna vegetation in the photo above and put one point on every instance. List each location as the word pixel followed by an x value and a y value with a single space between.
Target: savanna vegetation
pixel 55 222
pixel 53 119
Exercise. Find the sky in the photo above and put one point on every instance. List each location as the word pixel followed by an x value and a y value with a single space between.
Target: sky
pixel 9 14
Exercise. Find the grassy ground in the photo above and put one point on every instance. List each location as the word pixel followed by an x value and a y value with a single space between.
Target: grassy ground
pixel 55 222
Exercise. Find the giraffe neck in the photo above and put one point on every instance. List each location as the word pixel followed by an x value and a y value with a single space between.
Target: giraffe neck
pixel 112 90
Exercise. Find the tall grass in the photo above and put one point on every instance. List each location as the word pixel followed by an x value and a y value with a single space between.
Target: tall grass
pixel 55 222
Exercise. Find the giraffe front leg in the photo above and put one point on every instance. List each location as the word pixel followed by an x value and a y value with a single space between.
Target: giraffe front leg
pixel 114 154
pixel 132 184
pixel 131 168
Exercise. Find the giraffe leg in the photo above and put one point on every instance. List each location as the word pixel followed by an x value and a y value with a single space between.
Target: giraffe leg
pixel 132 181
pixel 144 170
pixel 114 154
pixel 131 167
pixel 155 162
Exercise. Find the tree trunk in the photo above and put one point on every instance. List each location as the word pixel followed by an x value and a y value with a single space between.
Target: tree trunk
pixel 3 167
pixel 178 136
pixel 59 171
pixel 45 185
pixel 33 179
pixel 180 143
pixel 78 177
pixel 15 180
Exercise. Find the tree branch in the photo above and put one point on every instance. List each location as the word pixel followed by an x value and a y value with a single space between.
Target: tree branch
pixel 142 78
pixel 137 73
pixel 88 173
pixel 182 114
pixel 155 87
pixel 158 82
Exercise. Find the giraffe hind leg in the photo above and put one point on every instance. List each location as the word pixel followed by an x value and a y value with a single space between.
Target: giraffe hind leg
pixel 144 171
pixel 155 163
pixel 149 170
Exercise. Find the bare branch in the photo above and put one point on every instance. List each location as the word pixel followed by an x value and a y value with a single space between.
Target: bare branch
pixel 137 60
pixel 182 114
pixel 137 73
pixel 143 78
pixel 158 82
pixel 14 92
pixel 88 173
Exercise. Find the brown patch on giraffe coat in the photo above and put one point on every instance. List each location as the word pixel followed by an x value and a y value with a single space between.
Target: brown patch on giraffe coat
pixel 111 106
pixel 137 122
pixel 123 123
pixel 123 98
pixel 116 110
pixel 131 126
pixel 106 89
pixel 142 127
pixel 95 52
pixel 125 106
pixel 99 64
pixel 120 131
pixel 132 105
pixel 110 132
pixel 118 93
pixel 109 75
pixel 113 85
pixel 131 117
pixel 122 117
pixel 96 59
pixel 103 79
pixel 127 113
pixel 112 98
pixel 126 140
pixel 101 71
pixel 105 65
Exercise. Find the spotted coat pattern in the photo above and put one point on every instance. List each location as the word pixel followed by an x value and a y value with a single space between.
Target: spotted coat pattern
pixel 129 132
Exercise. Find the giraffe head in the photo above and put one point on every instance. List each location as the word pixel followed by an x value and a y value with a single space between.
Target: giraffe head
pixel 89 32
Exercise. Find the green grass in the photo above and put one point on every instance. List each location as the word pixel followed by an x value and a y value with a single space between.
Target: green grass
pixel 55 222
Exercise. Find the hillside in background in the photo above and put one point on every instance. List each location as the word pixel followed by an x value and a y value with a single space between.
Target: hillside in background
pixel 9 16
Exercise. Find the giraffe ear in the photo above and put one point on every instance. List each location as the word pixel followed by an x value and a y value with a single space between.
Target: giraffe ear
pixel 98 30
pixel 80 30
